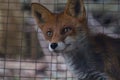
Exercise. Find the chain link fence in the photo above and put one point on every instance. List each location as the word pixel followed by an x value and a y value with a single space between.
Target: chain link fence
pixel 24 53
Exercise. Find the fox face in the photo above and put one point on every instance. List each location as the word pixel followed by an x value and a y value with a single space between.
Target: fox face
pixel 57 30
pixel 61 29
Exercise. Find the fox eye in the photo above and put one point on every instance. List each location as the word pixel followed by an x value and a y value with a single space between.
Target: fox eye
pixel 49 33
pixel 66 29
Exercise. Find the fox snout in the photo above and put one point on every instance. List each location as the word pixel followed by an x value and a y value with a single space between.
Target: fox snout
pixel 58 46
pixel 66 45
pixel 53 45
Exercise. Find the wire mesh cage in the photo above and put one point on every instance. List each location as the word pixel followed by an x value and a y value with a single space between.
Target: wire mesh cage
pixel 24 53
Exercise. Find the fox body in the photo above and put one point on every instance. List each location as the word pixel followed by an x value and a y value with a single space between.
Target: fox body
pixel 89 56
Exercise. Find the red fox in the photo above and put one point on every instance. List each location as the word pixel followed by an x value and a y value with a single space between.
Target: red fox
pixel 89 56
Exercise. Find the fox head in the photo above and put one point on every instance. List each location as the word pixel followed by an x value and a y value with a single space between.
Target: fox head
pixel 61 29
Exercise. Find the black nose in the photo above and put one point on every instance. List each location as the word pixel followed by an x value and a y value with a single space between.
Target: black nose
pixel 53 45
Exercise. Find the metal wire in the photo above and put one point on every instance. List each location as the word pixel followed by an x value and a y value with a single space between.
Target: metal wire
pixel 21 55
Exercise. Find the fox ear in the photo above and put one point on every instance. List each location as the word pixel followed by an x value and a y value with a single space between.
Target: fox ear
pixel 40 13
pixel 75 8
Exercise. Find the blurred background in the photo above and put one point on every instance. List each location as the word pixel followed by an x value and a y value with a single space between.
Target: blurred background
pixel 23 49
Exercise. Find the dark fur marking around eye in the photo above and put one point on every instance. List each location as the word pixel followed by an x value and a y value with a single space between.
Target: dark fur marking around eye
pixel 49 33
pixel 65 30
